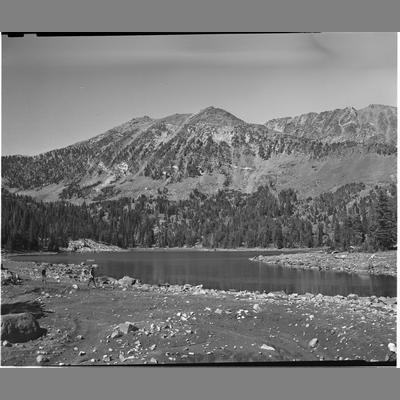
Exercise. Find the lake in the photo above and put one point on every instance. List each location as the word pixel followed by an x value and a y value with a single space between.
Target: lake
pixel 224 270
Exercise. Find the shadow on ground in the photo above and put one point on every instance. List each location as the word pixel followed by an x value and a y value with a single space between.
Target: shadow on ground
pixel 33 307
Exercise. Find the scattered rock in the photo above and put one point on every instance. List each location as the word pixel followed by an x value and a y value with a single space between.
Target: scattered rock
pixel 266 347
pixel 8 277
pixel 391 357
pixel 382 299
pixel 256 308
pixel 127 327
pixel 17 328
pixel 82 353
pixel 373 299
pixel 6 343
pixel 313 342
pixel 350 262
pixel 107 280
pixel 392 348
pixel 218 311
pixel 75 286
pixel 41 359
pixel 126 281
pixel 116 334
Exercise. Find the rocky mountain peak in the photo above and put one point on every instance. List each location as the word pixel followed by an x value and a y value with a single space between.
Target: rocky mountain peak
pixel 175 119
pixel 138 120
pixel 214 149
pixel 215 116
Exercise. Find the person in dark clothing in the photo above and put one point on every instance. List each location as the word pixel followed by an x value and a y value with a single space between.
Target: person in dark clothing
pixel 44 277
pixel 92 276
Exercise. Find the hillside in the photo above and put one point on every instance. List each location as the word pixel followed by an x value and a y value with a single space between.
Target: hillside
pixel 373 124
pixel 351 216
pixel 212 150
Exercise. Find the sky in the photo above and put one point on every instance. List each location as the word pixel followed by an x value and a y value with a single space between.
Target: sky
pixel 60 90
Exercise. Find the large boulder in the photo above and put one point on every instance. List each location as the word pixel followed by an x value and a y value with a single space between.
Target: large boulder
pixel 313 343
pixel 7 277
pixel 123 329
pixel 18 328
pixel 127 281
pixel 127 327
pixel 107 280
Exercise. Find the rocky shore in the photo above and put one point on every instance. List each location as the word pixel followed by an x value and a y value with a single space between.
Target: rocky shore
pixel 128 322
pixel 380 263
pixel 89 246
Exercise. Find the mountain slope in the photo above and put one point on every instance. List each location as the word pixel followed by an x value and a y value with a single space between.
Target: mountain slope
pixel 375 123
pixel 212 150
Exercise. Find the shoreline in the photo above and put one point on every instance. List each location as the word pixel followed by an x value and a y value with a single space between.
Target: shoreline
pixel 67 273
pixel 31 253
pixel 379 263
pixel 190 324
pixel 162 249
pixel 236 249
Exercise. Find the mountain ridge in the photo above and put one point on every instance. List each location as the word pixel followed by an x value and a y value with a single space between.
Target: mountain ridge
pixel 342 124
pixel 211 150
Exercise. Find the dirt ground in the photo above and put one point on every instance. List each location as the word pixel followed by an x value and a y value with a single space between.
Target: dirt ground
pixel 192 325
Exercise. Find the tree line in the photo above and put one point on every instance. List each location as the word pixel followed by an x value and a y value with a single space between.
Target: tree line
pixel 350 217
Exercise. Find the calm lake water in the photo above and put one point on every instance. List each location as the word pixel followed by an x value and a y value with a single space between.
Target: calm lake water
pixel 224 270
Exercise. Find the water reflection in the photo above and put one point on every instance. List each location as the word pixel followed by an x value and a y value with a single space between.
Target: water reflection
pixel 227 270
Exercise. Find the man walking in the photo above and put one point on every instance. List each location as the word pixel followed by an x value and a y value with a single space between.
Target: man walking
pixel 44 277
pixel 92 276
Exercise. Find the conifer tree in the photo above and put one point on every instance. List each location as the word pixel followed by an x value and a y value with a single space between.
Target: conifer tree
pixel 385 229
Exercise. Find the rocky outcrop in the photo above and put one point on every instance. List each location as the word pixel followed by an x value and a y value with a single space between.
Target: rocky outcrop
pixel 215 116
pixel 127 281
pixel 125 327
pixel 89 246
pixel 8 277
pixel 375 123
